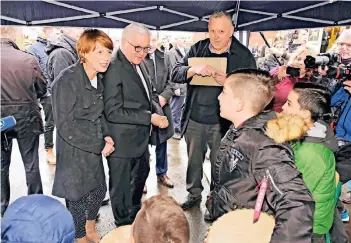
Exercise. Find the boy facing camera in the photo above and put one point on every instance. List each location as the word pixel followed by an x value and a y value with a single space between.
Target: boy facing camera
pixel 248 159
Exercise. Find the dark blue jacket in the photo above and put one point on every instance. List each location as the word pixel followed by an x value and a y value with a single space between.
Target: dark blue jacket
pixel 37 219
pixel 343 127
pixel 38 50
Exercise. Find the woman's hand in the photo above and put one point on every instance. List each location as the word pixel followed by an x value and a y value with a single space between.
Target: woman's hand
pixel 282 72
pixel 109 148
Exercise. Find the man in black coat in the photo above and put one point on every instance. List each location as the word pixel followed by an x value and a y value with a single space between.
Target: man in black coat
pixel 158 70
pixel 22 84
pixel 130 112
pixel 38 50
pixel 62 52
pixel 201 122
pixel 175 55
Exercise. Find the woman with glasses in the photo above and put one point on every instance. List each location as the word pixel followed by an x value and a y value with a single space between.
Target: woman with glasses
pixel 82 136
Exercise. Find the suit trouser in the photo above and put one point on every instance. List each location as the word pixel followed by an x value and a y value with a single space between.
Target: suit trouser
pixel 28 147
pixel 49 122
pixel 176 107
pixel 127 180
pixel 198 136
pixel 161 159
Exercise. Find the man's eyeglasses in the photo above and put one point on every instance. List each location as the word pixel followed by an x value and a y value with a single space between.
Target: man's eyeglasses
pixel 140 48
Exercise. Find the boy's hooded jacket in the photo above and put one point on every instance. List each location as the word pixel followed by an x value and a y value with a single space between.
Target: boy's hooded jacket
pixel 246 156
pixel 314 158
pixel 37 219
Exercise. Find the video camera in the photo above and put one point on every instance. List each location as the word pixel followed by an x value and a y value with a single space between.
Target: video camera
pixel 331 60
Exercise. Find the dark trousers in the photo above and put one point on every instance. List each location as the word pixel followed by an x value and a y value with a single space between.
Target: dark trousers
pixel 49 122
pixel 29 152
pixel 161 159
pixel 338 231
pixel 317 238
pixel 86 208
pixel 198 136
pixel 127 180
pixel 176 107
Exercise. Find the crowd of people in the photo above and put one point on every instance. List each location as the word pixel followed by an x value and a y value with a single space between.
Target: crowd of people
pixel 267 130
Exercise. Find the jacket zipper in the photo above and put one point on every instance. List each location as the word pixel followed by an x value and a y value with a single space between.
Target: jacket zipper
pixel 273 183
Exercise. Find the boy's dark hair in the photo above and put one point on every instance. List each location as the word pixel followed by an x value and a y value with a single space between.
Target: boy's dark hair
pixel 253 85
pixel 161 219
pixel 314 98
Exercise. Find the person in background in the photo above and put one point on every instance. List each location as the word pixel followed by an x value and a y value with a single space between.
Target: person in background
pixel 157 67
pixel 342 98
pixel 62 52
pixel 82 136
pixel 130 113
pixel 201 122
pixel 175 55
pixel 314 144
pixel 38 50
pixel 285 82
pixel 22 84
pixel 247 159
pixel 296 39
pixel 37 219
pixel 343 48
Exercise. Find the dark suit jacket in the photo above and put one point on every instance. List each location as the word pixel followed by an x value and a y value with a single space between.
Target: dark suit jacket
pixel 127 107
pixel 172 57
pixel 163 88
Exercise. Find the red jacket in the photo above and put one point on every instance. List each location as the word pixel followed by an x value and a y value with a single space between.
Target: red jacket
pixel 282 89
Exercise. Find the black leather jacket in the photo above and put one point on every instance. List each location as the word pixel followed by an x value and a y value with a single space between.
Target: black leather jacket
pixel 246 155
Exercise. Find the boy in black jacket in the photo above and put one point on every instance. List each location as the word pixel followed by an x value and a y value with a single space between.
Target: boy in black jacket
pixel 248 159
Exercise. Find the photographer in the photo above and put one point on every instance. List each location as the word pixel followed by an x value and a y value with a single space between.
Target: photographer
pixel 343 46
pixel 285 78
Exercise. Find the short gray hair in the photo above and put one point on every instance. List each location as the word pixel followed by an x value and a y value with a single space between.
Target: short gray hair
pixel 135 28
pixel 221 14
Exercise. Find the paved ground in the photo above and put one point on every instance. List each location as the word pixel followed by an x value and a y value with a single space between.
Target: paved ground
pixel 177 169
pixel 177 158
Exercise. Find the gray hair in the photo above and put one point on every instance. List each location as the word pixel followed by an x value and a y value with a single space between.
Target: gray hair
pixel 135 28
pixel 345 34
pixel 221 14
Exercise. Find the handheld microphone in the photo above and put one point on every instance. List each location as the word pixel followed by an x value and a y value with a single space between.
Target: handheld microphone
pixel 7 122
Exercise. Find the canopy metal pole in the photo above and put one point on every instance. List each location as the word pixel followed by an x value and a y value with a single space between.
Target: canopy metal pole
pixel 13 20
pixel 237 9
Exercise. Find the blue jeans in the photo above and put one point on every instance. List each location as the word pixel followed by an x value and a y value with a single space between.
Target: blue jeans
pixel 349 185
pixel 176 106
pixel 161 159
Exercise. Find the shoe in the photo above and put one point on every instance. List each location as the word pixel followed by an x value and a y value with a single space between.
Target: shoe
pixel 105 201
pixel 346 198
pixel 145 189
pixel 191 202
pixel 208 217
pixel 177 136
pixel 164 180
pixel 345 216
pixel 50 156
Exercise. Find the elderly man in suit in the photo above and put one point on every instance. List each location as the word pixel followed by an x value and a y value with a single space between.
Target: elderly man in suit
pixel 157 67
pixel 130 114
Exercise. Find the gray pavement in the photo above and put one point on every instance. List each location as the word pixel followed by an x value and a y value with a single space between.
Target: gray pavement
pixel 177 159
